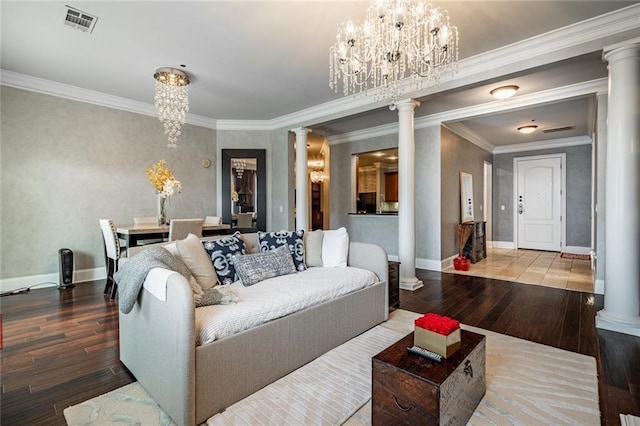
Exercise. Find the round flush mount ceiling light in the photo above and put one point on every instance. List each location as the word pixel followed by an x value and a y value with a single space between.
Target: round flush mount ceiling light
pixel 529 128
pixel 504 92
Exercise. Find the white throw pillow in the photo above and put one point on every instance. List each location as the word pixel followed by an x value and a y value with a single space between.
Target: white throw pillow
pixel 313 248
pixel 335 248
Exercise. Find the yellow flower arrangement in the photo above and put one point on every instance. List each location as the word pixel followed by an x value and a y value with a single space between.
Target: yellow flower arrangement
pixel 162 179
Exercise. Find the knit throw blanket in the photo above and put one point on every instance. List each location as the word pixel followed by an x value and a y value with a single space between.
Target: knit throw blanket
pixel 133 273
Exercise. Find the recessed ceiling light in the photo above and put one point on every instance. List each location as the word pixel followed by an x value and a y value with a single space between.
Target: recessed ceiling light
pixel 529 128
pixel 504 92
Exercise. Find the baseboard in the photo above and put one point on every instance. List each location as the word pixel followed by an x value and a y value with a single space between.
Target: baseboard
pixel 489 244
pixel 577 250
pixel 503 244
pixel 448 262
pixel 51 280
pixel 429 264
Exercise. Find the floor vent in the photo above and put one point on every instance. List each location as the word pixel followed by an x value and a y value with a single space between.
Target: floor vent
pixel 558 129
pixel 80 20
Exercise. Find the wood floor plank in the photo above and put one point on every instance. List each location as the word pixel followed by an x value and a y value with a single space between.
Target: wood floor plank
pixel 61 347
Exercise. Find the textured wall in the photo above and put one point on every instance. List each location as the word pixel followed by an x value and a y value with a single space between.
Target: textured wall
pixel 372 229
pixel 578 186
pixel 384 230
pixel 459 155
pixel 428 190
pixel 67 164
pixel 279 159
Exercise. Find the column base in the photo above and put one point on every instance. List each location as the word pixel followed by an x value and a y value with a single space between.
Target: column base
pixel 606 321
pixel 410 283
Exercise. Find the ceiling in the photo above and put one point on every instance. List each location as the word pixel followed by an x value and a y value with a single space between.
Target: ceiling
pixel 261 60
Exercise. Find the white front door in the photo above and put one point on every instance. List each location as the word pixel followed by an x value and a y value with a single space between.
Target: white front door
pixel 539 202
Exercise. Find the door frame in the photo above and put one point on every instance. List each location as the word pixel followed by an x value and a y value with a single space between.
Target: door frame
pixel 487 204
pixel 563 195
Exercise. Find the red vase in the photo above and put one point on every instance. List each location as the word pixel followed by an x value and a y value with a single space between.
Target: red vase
pixel 461 263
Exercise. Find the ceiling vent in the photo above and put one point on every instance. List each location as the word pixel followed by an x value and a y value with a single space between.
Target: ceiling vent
pixel 558 129
pixel 80 20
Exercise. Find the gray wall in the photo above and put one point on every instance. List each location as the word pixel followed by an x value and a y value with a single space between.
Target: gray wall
pixel 67 164
pixel 428 190
pixel 280 176
pixel 370 229
pixel 459 155
pixel 578 194
pixel 384 230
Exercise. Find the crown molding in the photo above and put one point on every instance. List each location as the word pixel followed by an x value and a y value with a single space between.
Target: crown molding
pixel 538 145
pixel 560 93
pixel 358 135
pixel 468 134
pixel 562 43
pixel 66 91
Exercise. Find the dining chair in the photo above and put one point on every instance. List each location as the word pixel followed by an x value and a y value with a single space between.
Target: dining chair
pixel 213 220
pixel 180 228
pixel 112 254
pixel 147 220
pixel 245 220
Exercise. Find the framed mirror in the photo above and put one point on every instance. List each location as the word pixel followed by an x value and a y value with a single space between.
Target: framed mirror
pixel 466 197
pixel 244 186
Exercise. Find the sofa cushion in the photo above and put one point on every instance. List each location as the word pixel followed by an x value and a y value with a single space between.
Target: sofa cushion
pixel 292 239
pixel 313 248
pixel 221 252
pixel 253 268
pixel 196 259
pixel 335 248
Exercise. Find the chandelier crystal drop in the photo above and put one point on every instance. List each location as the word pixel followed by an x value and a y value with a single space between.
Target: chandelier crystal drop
pixel 397 40
pixel 172 101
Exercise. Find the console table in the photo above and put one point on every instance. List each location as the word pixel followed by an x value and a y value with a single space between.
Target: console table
pixel 476 247
pixel 410 389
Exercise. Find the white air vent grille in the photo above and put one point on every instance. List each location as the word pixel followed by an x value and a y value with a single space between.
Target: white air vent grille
pixel 80 20
pixel 558 129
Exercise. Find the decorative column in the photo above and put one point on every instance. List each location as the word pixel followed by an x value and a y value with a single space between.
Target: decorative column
pixel 302 184
pixel 407 195
pixel 621 311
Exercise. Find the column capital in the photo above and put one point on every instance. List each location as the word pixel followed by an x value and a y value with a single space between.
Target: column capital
pixel 627 48
pixel 301 131
pixel 406 104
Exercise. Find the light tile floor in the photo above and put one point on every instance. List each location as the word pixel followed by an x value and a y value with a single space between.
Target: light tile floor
pixel 533 267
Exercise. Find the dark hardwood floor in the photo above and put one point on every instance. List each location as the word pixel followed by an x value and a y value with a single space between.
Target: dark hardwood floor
pixel 60 347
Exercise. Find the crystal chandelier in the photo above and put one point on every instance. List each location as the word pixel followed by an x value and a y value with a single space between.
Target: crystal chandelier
pixel 172 101
pixel 398 39
pixel 317 176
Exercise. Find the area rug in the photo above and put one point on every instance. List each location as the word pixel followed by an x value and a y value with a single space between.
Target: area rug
pixel 575 256
pixel 527 383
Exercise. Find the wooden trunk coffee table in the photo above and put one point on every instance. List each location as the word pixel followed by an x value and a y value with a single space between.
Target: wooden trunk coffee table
pixel 410 389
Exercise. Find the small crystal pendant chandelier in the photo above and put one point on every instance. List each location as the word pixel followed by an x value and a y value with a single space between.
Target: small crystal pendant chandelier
pixel 172 101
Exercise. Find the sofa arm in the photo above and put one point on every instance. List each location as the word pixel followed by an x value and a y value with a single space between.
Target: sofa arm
pixel 373 258
pixel 157 344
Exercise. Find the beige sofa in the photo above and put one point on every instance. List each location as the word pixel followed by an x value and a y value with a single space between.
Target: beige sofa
pixel 191 383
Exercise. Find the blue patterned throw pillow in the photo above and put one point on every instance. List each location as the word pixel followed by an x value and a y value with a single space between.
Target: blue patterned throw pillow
pixel 292 239
pixel 221 253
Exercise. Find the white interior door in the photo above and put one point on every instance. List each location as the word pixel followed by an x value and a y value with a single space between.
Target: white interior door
pixel 539 202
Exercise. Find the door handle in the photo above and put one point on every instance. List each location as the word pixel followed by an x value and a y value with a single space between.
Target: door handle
pixel 520 208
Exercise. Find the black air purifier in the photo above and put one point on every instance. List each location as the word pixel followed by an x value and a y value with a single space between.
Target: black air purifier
pixel 66 267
